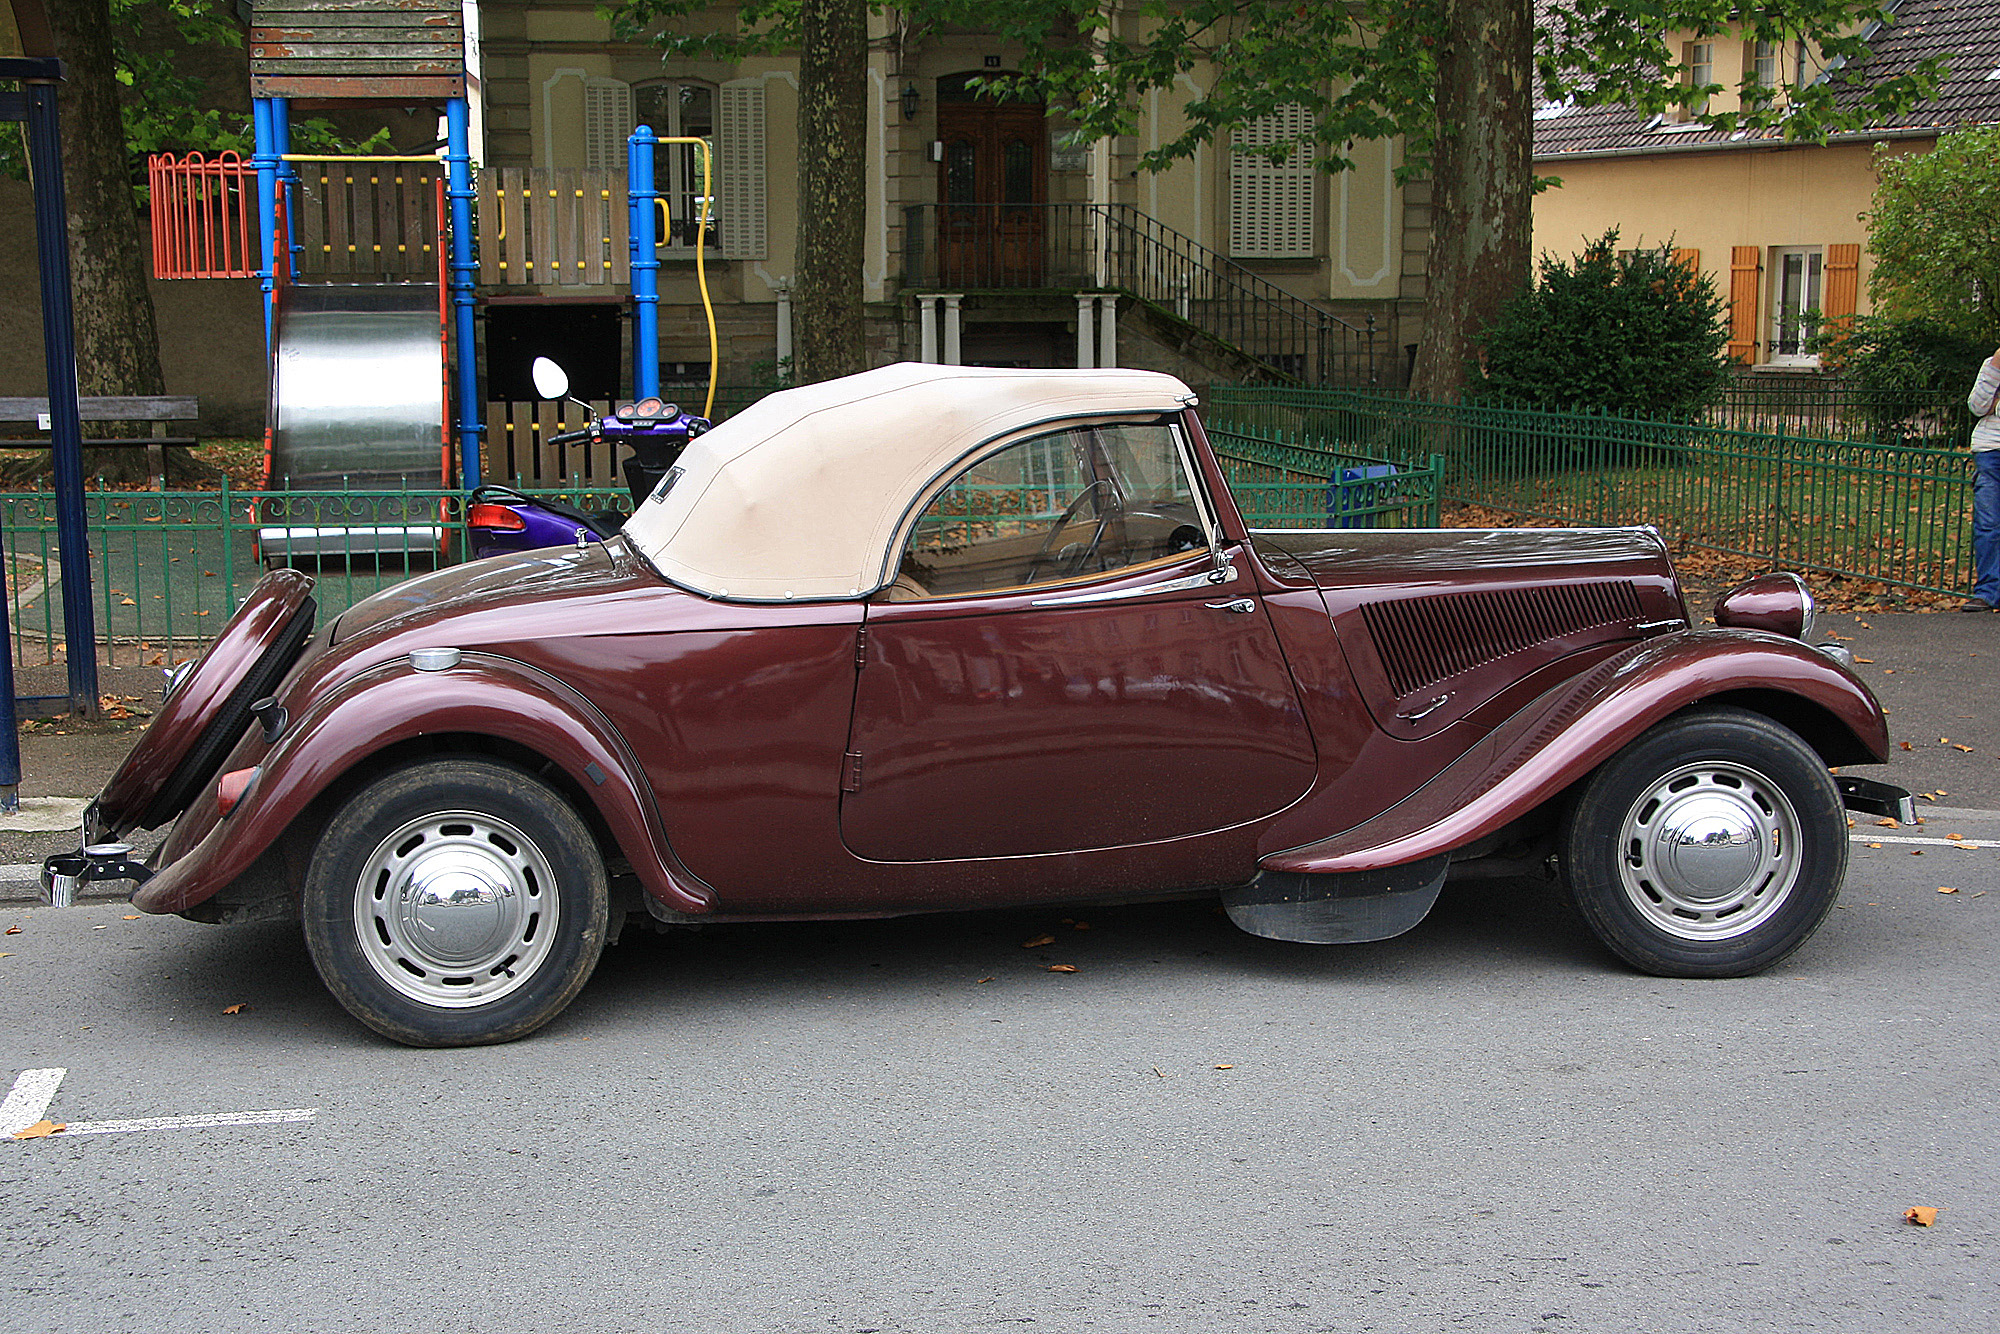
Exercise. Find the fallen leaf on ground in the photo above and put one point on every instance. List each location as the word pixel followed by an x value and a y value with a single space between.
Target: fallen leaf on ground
pixel 1966 749
pixel 1888 824
pixel 1922 1215
pixel 1869 661
pixel 1161 1073
pixel 1038 942
pixel 1062 967
pixel 1944 741
pixel 1225 1067
pixel 131 917
pixel 1079 926
pixel 1905 745
pixel 1947 889
pixel 234 1009
pixel 982 981
pixel 1916 852
pixel 1955 837
pixel 1978 894
pixel 44 1128
pixel 1874 845
pixel 12 931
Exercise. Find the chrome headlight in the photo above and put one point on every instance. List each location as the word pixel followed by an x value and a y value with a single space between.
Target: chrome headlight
pixel 1779 603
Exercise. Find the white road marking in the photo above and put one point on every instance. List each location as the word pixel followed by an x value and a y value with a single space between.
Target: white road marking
pixel 34 1090
pixel 278 1116
pixel 1929 842
pixel 32 1093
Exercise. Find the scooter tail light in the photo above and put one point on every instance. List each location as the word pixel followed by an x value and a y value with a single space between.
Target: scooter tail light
pixel 497 517
pixel 229 789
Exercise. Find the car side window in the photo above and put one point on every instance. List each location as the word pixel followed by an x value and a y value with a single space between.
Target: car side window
pixel 1066 505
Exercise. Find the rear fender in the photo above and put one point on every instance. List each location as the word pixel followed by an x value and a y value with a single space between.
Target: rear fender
pixel 1560 738
pixel 482 695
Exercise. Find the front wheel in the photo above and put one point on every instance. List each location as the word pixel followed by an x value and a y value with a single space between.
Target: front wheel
pixel 1712 846
pixel 456 902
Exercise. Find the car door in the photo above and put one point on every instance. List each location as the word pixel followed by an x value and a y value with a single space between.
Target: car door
pixel 1065 664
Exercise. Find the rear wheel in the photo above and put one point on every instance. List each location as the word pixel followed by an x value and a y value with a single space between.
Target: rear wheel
pixel 1713 846
pixel 456 902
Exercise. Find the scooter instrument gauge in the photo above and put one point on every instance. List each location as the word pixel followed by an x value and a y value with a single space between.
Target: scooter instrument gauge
pixel 647 407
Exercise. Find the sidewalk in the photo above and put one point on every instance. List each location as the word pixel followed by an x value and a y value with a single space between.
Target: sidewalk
pixel 1933 671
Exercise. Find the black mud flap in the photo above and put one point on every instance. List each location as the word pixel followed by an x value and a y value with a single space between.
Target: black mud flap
pixel 1345 908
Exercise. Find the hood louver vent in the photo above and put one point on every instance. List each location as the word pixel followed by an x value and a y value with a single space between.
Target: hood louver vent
pixel 1426 640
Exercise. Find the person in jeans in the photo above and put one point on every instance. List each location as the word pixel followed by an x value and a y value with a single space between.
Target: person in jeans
pixel 1984 400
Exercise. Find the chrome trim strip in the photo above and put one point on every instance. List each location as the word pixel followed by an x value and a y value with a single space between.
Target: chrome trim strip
pixel 1206 579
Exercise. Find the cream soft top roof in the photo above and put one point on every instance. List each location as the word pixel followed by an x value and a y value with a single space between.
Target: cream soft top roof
pixel 800 495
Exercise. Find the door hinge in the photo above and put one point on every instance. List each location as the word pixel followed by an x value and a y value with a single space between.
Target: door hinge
pixel 850 772
pixel 861 645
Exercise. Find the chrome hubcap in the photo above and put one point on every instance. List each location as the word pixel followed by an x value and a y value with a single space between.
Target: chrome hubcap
pixel 1710 851
pixel 456 909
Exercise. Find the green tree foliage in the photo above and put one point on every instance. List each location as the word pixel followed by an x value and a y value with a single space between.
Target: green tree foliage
pixel 1637 333
pixel 1911 374
pixel 1935 235
pixel 166 103
pixel 1452 78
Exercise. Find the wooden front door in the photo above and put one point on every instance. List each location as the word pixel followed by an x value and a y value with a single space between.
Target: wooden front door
pixel 992 193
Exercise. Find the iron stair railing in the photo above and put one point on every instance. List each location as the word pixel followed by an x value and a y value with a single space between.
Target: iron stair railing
pixel 1115 247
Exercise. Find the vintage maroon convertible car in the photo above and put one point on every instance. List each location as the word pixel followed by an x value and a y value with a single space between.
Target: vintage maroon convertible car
pixel 937 638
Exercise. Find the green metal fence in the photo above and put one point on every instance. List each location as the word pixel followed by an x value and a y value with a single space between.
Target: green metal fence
pixel 1286 480
pixel 1899 514
pixel 1830 407
pixel 167 568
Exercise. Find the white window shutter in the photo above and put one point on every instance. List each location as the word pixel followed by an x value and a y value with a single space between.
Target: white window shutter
pixel 607 120
pixel 739 170
pixel 1271 213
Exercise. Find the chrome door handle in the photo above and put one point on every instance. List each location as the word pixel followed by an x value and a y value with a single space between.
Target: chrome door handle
pixel 1241 606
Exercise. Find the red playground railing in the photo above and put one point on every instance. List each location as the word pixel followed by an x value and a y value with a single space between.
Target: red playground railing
pixel 204 216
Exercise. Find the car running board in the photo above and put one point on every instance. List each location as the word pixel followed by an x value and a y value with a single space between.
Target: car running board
pixel 1339 908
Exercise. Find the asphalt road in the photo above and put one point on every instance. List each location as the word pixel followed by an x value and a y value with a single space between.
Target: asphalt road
pixel 1487 1124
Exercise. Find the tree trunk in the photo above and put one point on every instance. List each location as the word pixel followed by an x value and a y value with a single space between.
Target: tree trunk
pixel 1483 191
pixel 828 336
pixel 117 348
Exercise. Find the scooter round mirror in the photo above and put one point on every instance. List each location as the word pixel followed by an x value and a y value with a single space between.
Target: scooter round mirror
pixel 551 381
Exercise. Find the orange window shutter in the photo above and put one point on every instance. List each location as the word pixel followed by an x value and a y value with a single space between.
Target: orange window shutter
pixel 1746 270
pixel 1689 260
pixel 1843 282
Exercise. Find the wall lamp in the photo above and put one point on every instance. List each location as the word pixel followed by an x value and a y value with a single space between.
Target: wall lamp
pixel 911 97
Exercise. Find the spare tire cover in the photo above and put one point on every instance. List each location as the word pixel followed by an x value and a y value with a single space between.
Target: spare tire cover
pixel 206 711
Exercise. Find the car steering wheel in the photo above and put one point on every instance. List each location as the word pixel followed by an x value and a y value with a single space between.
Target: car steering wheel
pixel 1072 558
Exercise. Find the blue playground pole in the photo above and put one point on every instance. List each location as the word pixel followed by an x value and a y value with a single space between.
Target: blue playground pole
pixel 288 176
pixel 458 189
pixel 645 263
pixel 266 161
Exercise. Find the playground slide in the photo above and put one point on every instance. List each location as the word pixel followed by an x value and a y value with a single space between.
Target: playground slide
pixel 357 405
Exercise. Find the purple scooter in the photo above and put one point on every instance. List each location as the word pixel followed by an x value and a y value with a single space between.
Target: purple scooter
pixel 501 519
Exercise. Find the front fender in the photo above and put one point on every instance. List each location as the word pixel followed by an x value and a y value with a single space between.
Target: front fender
pixel 1559 738
pixel 395 702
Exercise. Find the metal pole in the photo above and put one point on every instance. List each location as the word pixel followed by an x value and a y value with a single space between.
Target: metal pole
pixel 458 188
pixel 265 159
pixel 65 423
pixel 639 189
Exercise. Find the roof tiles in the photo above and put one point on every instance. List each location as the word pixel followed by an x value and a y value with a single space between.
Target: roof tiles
pixel 1967 32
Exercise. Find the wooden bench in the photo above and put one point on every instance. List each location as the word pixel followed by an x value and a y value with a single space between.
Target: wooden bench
pixel 157 411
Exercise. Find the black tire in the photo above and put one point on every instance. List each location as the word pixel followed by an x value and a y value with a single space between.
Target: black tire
pixel 456 902
pixel 1712 846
